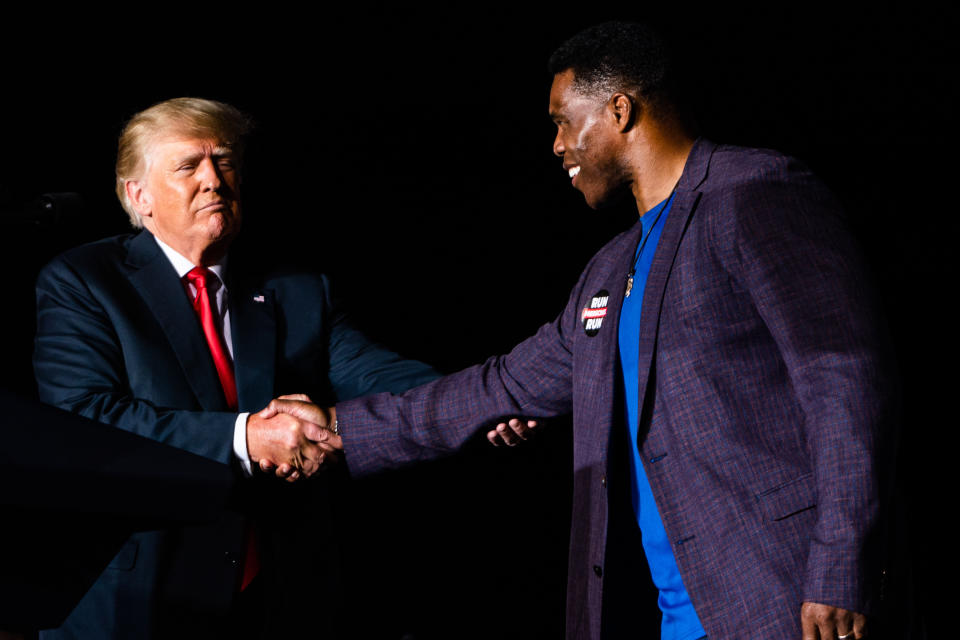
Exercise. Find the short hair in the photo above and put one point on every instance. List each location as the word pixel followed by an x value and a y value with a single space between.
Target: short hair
pixel 178 116
pixel 613 56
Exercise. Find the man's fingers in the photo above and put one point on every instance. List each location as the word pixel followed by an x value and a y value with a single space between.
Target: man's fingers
pixel 518 428
pixel 326 447
pixel 524 425
pixel 312 458
pixel 323 436
pixel 511 432
pixel 523 428
pixel 506 434
pixel 859 625
pixel 848 624
pixel 267 465
pixel 316 456
pixel 827 629
pixel 844 625
pixel 808 624
pixel 268 411
pixel 299 409
pixel 825 622
pixel 315 432
pixel 272 409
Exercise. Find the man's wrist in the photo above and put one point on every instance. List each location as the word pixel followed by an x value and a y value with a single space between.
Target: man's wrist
pixel 334 424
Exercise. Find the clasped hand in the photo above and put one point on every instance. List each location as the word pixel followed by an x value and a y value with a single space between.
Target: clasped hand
pixel 292 437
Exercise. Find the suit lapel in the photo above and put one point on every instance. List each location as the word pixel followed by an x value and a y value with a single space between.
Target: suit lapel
pixel 156 281
pixel 253 325
pixel 600 369
pixel 678 218
pixel 617 286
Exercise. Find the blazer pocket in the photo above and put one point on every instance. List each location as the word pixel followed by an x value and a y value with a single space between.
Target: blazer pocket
pixel 127 558
pixel 788 498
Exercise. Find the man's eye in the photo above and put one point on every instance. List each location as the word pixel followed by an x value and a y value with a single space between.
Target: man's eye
pixel 186 167
pixel 225 164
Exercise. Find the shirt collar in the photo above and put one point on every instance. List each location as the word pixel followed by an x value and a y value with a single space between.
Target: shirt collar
pixel 183 266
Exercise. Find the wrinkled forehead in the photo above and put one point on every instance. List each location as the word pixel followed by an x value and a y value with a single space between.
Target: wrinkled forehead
pixel 188 145
pixel 182 135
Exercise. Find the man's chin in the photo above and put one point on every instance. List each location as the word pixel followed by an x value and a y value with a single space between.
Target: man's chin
pixel 605 200
pixel 222 227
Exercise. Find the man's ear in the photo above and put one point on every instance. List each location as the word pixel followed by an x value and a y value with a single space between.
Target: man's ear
pixel 140 199
pixel 624 110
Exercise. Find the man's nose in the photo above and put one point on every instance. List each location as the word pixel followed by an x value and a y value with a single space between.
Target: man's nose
pixel 209 175
pixel 558 146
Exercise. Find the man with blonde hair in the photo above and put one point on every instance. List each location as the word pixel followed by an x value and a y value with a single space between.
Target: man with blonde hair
pixel 193 117
pixel 155 333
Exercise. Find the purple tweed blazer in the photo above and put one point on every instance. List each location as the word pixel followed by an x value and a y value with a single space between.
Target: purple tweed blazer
pixel 765 397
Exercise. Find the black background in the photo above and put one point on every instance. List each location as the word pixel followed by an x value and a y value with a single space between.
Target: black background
pixel 408 154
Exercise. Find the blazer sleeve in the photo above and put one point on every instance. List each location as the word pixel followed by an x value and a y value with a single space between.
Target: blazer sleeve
pixel 385 431
pixel 805 275
pixel 79 366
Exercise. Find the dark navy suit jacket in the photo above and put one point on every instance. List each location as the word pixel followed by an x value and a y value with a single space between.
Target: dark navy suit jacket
pixel 765 400
pixel 118 341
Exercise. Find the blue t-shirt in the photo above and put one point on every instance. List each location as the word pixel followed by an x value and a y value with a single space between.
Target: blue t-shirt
pixel 680 621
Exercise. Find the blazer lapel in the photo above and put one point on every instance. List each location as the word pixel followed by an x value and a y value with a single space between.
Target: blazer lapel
pixel 156 281
pixel 617 286
pixel 601 365
pixel 681 210
pixel 253 325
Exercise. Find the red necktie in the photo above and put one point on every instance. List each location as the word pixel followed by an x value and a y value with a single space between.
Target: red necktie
pixel 200 278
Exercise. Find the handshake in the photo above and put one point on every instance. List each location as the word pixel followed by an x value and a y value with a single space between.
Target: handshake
pixel 294 438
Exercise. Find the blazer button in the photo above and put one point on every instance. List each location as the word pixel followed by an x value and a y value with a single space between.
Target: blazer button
pixel 231 558
pixel 597 569
pixel 603 481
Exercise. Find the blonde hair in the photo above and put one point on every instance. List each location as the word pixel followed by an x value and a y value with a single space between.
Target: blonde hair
pixel 190 117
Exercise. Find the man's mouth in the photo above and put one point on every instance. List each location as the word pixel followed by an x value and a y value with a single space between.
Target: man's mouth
pixel 574 170
pixel 216 204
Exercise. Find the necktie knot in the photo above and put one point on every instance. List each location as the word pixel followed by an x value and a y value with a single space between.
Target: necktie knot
pixel 200 277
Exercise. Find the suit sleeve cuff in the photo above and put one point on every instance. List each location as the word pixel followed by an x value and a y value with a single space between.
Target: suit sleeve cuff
pixel 240 444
